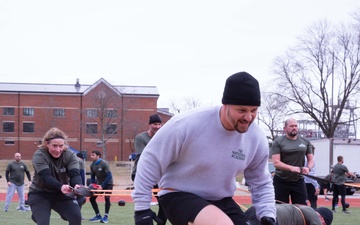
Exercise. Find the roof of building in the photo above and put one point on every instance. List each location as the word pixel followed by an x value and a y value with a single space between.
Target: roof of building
pixel 76 88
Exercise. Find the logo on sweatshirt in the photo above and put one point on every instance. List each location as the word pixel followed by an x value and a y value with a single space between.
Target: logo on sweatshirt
pixel 238 154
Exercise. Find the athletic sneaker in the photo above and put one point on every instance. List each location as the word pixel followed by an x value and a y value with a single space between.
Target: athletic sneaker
pixel 25 209
pixel 95 219
pixel 105 219
pixel 346 211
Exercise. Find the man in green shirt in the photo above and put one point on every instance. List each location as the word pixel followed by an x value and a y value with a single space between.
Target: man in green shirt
pixel 141 140
pixel 340 173
pixel 288 154
pixel 15 180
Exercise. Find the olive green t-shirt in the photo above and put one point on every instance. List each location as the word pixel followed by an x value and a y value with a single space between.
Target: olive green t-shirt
pixel 339 173
pixel 292 152
pixel 16 172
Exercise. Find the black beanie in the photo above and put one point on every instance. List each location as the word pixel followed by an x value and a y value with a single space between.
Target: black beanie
pixel 155 118
pixel 241 89
pixel 326 214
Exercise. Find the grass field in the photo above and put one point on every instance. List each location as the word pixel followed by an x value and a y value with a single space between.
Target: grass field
pixel 124 215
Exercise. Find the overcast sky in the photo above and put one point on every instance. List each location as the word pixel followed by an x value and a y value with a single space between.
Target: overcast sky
pixel 185 48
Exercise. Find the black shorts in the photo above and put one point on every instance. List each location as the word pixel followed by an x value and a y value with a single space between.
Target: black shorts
pixel 183 207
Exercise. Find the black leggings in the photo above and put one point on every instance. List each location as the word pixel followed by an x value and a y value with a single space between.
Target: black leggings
pixel 107 201
pixel 42 204
pixel 339 190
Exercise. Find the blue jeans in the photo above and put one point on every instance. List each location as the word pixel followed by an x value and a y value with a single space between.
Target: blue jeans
pixel 10 193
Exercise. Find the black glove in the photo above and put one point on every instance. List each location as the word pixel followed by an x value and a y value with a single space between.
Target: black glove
pixel 267 221
pixel 146 217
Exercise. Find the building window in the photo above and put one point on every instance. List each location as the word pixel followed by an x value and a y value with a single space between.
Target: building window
pixel 9 142
pixel 7 111
pixel 59 112
pixel 28 127
pixel 111 113
pixel 111 129
pixel 8 127
pixel 91 113
pixel 28 111
pixel 91 128
pixel 99 144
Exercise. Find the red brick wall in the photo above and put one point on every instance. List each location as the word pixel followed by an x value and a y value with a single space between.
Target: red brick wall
pixel 132 117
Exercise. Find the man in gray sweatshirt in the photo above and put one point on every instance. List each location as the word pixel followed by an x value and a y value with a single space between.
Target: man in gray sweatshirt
pixel 196 156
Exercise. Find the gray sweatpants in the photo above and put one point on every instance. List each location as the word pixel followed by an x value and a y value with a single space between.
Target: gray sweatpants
pixel 10 193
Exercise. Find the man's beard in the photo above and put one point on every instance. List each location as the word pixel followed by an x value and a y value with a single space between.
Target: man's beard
pixel 292 134
pixel 243 129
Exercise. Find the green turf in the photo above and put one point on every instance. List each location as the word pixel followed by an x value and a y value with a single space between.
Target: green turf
pixel 124 215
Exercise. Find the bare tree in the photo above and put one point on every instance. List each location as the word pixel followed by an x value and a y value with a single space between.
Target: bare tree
pixel 272 112
pixel 320 75
pixel 185 104
pixel 106 114
pixel 191 103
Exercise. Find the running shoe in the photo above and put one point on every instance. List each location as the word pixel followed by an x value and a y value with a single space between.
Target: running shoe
pixel 95 219
pixel 105 219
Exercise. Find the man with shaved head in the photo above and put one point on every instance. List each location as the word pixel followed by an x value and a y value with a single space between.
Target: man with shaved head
pixel 15 180
pixel 288 155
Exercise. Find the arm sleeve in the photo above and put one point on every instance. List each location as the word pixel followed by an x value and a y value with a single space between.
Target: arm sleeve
pixel 107 179
pixel 7 176
pixel 82 174
pixel 28 175
pixel 92 178
pixel 49 180
pixel 275 147
pixel 75 177
pixel 27 172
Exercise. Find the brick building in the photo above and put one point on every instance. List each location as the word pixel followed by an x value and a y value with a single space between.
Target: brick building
pixel 89 114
